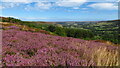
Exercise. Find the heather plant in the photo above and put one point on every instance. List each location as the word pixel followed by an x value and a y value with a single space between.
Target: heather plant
pixel 10 53
pixel 31 52
pixel 38 49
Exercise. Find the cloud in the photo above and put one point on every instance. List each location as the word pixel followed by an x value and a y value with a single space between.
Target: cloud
pixel 103 1
pixel 43 5
pixel 10 5
pixel 104 6
pixel 10 16
pixel 76 8
pixel 33 18
pixel 70 3
pixel 113 0
pixel 75 4
pixel 25 18
pixel 18 1
pixel 27 1
pixel 46 4
pixel 39 5
pixel 1 7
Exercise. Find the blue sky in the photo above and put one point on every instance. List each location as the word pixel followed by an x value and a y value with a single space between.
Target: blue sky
pixel 61 10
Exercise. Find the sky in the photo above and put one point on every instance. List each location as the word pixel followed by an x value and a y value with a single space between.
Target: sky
pixel 60 10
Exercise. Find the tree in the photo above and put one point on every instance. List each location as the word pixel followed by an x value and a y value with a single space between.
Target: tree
pixel 60 31
pixel 70 32
pixel 51 28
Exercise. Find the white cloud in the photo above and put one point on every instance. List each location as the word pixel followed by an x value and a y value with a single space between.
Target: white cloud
pixel 27 1
pixel 84 8
pixel 45 4
pixel 104 6
pixel 80 8
pixel 34 18
pixel 18 1
pixel 39 5
pixel 76 8
pixel 10 5
pixel 70 3
pixel 30 1
pixel 10 16
pixel 42 5
pixel 26 18
pixel 113 0
pixel 1 7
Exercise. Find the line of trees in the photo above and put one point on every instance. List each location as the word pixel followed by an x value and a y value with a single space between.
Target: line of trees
pixel 71 32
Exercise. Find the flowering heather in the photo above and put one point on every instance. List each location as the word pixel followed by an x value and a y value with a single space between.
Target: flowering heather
pixel 24 48
pixel 7 26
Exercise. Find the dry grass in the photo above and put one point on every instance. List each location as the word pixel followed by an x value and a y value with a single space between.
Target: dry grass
pixel 103 57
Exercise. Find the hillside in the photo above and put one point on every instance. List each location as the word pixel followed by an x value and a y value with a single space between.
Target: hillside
pixel 28 47
pixel 102 30
pixel 87 30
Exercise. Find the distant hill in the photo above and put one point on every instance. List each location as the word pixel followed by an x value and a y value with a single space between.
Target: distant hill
pixel 71 22
pixel 8 19
pixel 112 21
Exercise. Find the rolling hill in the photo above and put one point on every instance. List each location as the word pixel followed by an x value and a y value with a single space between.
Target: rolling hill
pixel 26 46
